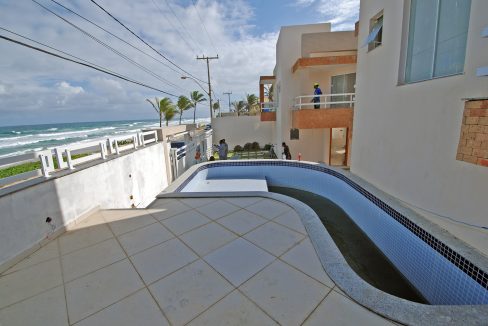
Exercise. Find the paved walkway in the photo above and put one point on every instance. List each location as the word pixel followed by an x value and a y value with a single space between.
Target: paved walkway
pixel 227 261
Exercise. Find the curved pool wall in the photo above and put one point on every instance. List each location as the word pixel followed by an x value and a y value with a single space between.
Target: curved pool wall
pixel 441 274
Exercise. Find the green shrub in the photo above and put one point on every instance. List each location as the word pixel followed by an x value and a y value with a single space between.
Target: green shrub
pixel 238 148
pixel 267 147
pixel 247 146
pixel 255 146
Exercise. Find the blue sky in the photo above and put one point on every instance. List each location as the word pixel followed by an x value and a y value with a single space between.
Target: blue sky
pixel 35 88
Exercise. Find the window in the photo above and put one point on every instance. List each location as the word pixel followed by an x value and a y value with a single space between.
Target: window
pixel 294 134
pixel 437 35
pixel 375 36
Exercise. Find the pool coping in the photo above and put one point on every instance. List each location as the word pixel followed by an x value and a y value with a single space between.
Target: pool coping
pixel 382 303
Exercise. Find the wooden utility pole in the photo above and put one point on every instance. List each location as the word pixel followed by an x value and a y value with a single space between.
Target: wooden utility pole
pixel 209 83
pixel 228 94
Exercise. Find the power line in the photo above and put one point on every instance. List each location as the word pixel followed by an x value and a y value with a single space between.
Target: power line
pixel 85 64
pixel 205 28
pixel 110 48
pixel 139 38
pixel 117 37
pixel 172 25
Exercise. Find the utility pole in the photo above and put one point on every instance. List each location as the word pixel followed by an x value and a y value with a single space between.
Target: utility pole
pixel 209 84
pixel 228 94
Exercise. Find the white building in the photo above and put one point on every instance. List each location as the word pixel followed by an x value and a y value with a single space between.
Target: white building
pixel 411 138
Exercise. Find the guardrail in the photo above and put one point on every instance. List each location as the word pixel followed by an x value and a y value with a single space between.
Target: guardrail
pixel 326 101
pixel 69 156
pixel 268 106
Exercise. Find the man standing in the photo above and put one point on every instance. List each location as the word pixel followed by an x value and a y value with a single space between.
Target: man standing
pixel 317 91
pixel 286 151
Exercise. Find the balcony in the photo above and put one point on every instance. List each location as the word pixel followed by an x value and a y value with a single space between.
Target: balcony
pixel 268 111
pixel 335 111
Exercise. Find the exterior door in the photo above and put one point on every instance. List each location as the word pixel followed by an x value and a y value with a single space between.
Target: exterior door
pixel 338 146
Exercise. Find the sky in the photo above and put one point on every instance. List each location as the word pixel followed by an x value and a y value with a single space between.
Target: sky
pixel 37 88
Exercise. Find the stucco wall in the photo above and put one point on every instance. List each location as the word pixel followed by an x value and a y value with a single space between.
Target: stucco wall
pixel 406 136
pixel 109 184
pixel 241 130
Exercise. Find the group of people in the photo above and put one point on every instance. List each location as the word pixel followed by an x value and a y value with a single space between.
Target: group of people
pixel 223 149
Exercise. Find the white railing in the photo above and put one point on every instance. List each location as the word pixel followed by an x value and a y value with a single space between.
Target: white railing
pixel 185 156
pixel 69 156
pixel 268 106
pixel 325 101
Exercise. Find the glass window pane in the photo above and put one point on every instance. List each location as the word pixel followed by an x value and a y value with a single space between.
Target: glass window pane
pixel 451 37
pixel 421 40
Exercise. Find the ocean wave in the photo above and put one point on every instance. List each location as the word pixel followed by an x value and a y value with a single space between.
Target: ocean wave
pixel 16 132
pixel 52 129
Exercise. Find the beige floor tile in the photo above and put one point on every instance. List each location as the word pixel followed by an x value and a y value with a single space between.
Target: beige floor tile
pixel 86 260
pixel 268 208
pixel 47 308
pixel 90 221
pixel 243 201
pixel 143 238
pixel 161 260
pixel 217 209
pixel 112 215
pixel 284 293
pixel 138 309
pixel 338 310
pixel 95 291
pixel 291 220
pixel 47 252
pixel 186 221
pixel 29 281
pixel 274 238
pixel 197 202
pixel 74 240
pixel 163 208
pixel 242 221
pixel 239 260
pixel 234 310
pixel 207 238
pixel 131 223
pixel 185 294
pixel 304 258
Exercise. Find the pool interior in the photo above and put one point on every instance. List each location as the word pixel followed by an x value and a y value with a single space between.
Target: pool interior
pixel 358 250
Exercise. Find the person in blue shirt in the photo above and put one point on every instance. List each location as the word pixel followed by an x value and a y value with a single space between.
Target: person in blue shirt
pixel 316 99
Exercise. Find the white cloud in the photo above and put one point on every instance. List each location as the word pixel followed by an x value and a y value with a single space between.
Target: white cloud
pixel 65 88
pixel 341 13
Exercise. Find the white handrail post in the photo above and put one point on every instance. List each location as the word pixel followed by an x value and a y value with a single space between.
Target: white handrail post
pixel 59 158
pixel 134 141
pixel 69 160
pixel 44 165
pixel 116 145
pixel 155 136
pixel 110 146
pixel 102 151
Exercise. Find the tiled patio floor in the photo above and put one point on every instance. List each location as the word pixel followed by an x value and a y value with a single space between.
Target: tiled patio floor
pixel 227 261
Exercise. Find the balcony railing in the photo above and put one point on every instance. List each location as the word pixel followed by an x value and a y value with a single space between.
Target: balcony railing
pixel 326 101
pixel 268 106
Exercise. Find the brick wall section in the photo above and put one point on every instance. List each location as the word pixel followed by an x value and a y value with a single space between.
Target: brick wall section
pixel 473 142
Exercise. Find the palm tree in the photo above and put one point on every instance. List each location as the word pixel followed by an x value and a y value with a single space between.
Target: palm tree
pixel 157 108
pixel 239 107
pixel 183 104
pixel 167 108
pixel 196 97
pixel 216 106
pixel 251 102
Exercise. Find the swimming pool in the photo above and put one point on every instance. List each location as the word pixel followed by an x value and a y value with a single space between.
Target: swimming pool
pixel 437 270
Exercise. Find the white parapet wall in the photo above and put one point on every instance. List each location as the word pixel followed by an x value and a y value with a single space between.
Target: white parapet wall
pixel 242 129
pixel 129 180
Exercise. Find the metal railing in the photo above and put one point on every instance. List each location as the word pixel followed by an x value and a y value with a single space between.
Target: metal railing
pixel 268 106
pixel 71 155
pixel 326 101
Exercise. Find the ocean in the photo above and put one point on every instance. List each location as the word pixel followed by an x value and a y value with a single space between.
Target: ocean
pixel 16 140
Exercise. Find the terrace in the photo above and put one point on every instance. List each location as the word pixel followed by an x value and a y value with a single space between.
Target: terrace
pixel 196 261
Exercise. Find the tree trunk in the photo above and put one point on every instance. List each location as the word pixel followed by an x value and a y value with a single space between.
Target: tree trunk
pixel 194 112
pixel 167 122
pixel 181 113
pixel 160 119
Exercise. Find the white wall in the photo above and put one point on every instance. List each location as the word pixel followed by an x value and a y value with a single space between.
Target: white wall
pixel 243 129
pixel 405 137
pixel 109 184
